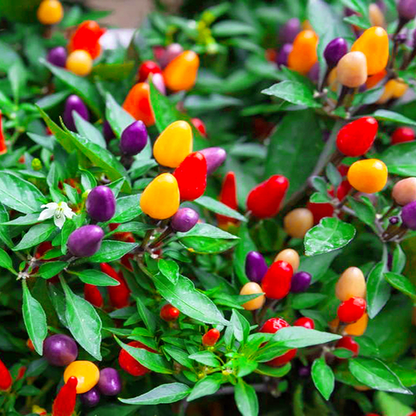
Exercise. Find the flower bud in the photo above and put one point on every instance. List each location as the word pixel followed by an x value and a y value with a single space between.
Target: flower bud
pixel 57 56
pixel 215 157
pixel 184 220
pixel 409 215
pixel 289 30
pixel 109 383
pixel 352 69
pixel 256 266
pixel 101 204
pixel 252 288
pixel 60 350
pixel 283 54
pixel 85 241
pixel 404 191
pixel 134 138
pixel 74 103
pixel 350 284
pixel 300 282
pixel 298 222
pixel 334 51
pixel 406 9
pixel 91 398
pixel 291 256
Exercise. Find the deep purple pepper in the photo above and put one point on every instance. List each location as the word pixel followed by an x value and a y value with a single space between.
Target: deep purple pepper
pixel 256 266
pixel 101 203
pixel 57 56
pixel 91 398
pixel 60 350
pixel 134 138
pixel 108 131
pixel 109 383
pixel 283 54
pixel 215 157
pixel 304 371
pixel 394 220
pixel 85 241
pixel 184 220
pixel 406 9
pixel 289 30
pixel 409 215
pixel 171 52
pixel 300 282
pixel 74 103
pixel 334 51
pixel 313 74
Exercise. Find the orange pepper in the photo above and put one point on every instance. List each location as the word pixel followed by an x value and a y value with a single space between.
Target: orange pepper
pixel 181 73
pixel 137 103
pixel 303 55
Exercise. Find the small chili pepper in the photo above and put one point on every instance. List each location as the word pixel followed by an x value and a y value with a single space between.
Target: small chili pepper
pixel 406 9
pixel 320 211
pixel 255 266
pixel 351 310
pixel 277 281
pixel 211 337
pixel 147 68
pixel 349 344
pixel 403 135
pixel 50 12
pixel 300 282
pixel 200 126
pixel 252 288
pixel 86 38
pixel 93 295
pixel 184 220
pixel 3 146
pixel 375 79
pixel 351 70
pixel 181 73
pixel 131 365
pixel 137 104
pixel 169 313
pixel 5 377
pixel 57 56
pixel 228 196
pixel 64 404
pixel 307 323
pixel 404 191
pixel 215 157
pixel 283 54
pixel 101 204
pixel 376 15
pixel 350 284
pixel 334 51
pixel 289 31
pixel 79 62
pixel 134 138
pixel 357 328
pixel 74 103
pixel 369 175
pixel 119 295
pixel 304 55
pixel 297 222
pixel 85 241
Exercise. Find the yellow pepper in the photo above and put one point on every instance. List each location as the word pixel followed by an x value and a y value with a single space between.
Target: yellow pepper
pixel 303 55
pixel 79 62
pixel 160 200
pixel 181 72
pixel 394 88
pixel 50 12
pixel 173 144
pixel 369 175
pixel 357 328
pixel 352 69
pixel 86 372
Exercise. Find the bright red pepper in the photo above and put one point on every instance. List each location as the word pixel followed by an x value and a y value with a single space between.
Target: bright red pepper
pixel 5 377
pixel 191 175
pixel 86 38
pixel 93 295
pixel 211 337
pixel 351 310
pixel 265 199
pixel 228 196
pixel 343 189
pixel 30 345
pixel 43 248
pixel 200 126
pixel 356 138
pixel 3 146
pixel 320 211
pixel 349 344
pixel 276 282
pixel 21 373
pixel 147 68
pixel 64 404
pixel 403 135
pixel 307 323
pixel 169 313
pixel 131 365
pixel 119 295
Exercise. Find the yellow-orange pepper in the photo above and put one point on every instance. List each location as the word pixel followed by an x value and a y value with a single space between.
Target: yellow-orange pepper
pixel 376 15
pixel 369 175
pixel 357 328
pixel 79 62
pixel 290 256
pixel 50 12
pixel 304 55
pixel 160 200
pixel 137 104
pixel 374 44
pixel 352 69
pixel 86 372
pixel 394 88
pixel 373 80
pixel 181 72
pixel 252 288
pixel 173 144
pixel 351 284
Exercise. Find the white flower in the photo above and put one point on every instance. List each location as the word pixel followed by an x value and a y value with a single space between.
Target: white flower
pixel 59 211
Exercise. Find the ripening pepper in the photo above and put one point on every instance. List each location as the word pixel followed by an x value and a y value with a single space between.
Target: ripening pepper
pixel 137 104
pixel 173 144
pixel 404 191
pixel 191 175
pixel 253 288
pixel 334 51
pixel 394 88
pixel 283 54
pixel 265 199
pixel 171 52
pixel 101 204
pixel 357 328
pixel 110 383
pixel 119 295
pixel 277 281
pixel 91 398
pixel 86 373
pixel 376 15
pixel 374 44
pixel 349 344
pixel 93 295
pixel 131 365
pixel 181 73
pixel 304 52
pixel 290 256
pixel 200 126
pixel 215 157
pixel 184 220
pixel 351 70
pixel 160 200
pixel 3 146
pixel 297 222
pixel 300 282
pixel 408 215
pixel 406 9
pixel 350 284
pixel 60 350
pixel 85 241
pixel 351 310
pixel 169 313
pixel 228 196
pixel 255 266
pixel 403 135
pixel 134 138
pixel 64 404
pixel 147 68
pixel 79 62
pixel 211 337
pixel 86 38
pixel 289 31
pixel 50 12
pixel 5 377
pixel 375 79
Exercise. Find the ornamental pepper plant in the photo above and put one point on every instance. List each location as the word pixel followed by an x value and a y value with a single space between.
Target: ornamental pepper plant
pixel 219 217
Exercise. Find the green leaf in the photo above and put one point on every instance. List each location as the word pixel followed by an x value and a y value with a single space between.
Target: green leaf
pixel 323 377
pixel 364 209
pixel 231 28
pixel 4 230
pixel 113 71
pixel 83 321
pixel 163 394
pixel 51 269
pixel 111 250
pixel 169 269
pixel 240 325
pixel 88 131
pixel 376 374
pixel 244 246
pixel 178 354
pixel 148 317
pixel 378 290
pixel 399 156
pixel 127 209
pixel 188 300
pixel 387 115
pixel 205 238
pixel 207 358
pixel 150 360
pixel 284 157
pixel 307 300
pixel 219 208
pixel 5 260
pixel 390 405
pixel 246 399
pixel 299 337
pixel 49 101
pixel 36 235
pixel 293 92
pixel 118 118
pixel 97 278
pixel 278 372
pixel 329 235
pixel 399 260
pixel 402 283
pixel 34 318
pixel 205 387
pixel 20 195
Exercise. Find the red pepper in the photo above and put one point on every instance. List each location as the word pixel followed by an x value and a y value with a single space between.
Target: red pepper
pixel 351 310
pixel 320 211
pixel 191 175
pixel 307 323
pixel 200 126
pixel 5 377
pixel 20 373
pixel 147 68
pixel 64 404
pixel 119 295
pixel 265 199
pixel 93 295
pixel 211 337
pixel 87 37
pixel 169 313
pixel 403 135
pixel 228 196
pixel 349 344
pixel 276 282
pixel 3 147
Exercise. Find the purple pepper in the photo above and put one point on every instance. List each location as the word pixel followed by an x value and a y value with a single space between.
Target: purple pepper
pixel 108 131
pixel 60 350
pixel 110 382
pixel 334 51
pixel 57 56
pixel 91 398
pixel 159 83
pixel 289 30
pixel 85 241
pixel 406 9
pixel 313 74
pixel 184 220
pixel 171 52
pixel 134 138
pixel 101 203
pixel 215 157
pixel 300 282
pixel 409 215
pixel 283 54
pixel 74 103
pixel 256 266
